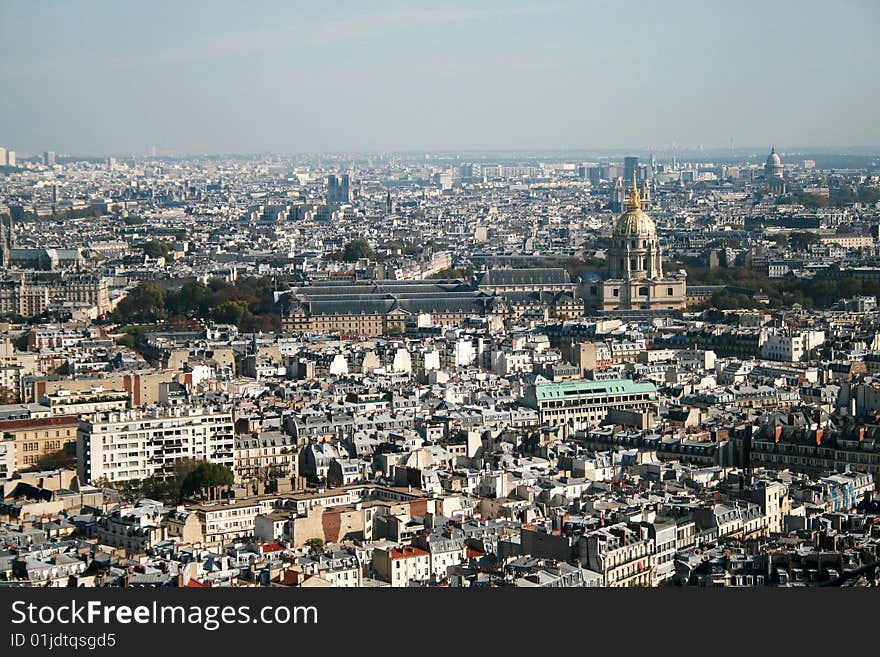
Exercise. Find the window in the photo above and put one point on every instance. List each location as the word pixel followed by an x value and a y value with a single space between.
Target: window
pixel 632 263
pixel 669 291
pixel 643 291
pixel 616 292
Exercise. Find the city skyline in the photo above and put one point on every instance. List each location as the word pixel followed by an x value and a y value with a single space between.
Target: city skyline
pixel 562 76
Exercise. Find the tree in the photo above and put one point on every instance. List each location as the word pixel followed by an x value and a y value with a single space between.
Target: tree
pixel 727 301
pixel 801 240
pixel 155 249
pixel 231 312
pixel 315 544
pixel 357 249
pixel 145 303
pixel 781 239
pixel 204 476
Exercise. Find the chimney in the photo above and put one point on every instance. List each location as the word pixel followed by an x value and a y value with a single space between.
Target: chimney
pixel 778 433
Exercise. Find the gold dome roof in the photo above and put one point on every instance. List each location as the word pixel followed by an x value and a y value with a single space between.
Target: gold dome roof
pixel 635 222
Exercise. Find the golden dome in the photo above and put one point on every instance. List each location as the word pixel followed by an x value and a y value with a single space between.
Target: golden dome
pixel 635 222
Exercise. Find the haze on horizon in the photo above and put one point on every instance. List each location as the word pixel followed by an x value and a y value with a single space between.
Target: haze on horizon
pixel 97 77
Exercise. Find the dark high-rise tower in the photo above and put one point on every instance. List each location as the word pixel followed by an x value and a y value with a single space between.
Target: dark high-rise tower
pixel 630 170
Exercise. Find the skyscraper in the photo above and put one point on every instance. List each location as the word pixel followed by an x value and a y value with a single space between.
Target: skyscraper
pixel 10 158
pixel 49 158
pixel 630 170
pixel 2 157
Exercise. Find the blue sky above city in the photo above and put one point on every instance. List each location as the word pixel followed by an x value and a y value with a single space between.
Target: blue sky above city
pixel 93 77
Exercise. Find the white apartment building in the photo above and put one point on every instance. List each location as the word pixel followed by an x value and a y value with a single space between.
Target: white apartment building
pixel 790 347
pixel 135 444
pixel 229 520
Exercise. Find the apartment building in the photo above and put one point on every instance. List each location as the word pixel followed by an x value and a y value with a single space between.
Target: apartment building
pixel 624 556
pixel 790 347
pixel 35 438
pixel 586 403
pixel 265 455
pixel 228 520
pixel 401 565
pixel 135 444
pixel 96 400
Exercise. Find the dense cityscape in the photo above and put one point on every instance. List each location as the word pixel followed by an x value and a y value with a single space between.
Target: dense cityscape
pixel 440 369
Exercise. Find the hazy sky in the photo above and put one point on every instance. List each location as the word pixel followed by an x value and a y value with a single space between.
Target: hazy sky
pixel 90 77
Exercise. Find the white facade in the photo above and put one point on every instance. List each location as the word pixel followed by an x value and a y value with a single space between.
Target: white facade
pixel 790 347
pixel 136 444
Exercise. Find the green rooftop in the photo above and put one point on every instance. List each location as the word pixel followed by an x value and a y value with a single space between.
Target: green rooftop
pixel 576 388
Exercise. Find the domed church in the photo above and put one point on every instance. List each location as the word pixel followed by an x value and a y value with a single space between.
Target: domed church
pixel 635 266
pixel 773 173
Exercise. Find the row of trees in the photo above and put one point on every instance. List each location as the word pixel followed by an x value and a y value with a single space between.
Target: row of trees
pixel 844 196
pixel 192 478
pixel 797 241
pixel 783 292
pixel 249 304
pixel 359 249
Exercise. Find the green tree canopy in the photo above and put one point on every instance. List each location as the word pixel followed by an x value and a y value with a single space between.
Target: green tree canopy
pixel 204 476
pixel 231 312
pixel 357 249
pixel 156 249
pixel 801 240
pixel 145 303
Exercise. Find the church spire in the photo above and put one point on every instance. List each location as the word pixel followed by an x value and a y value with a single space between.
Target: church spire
pixel 635 201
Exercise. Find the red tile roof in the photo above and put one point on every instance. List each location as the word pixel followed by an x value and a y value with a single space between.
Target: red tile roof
pixel 38 422
pixel 407 552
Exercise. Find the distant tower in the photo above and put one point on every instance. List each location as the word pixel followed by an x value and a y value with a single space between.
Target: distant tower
pixel 645 192
pixel 389 204
pixel 618 194
pixel 49 158
pixel 630 170
pixel 7 241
